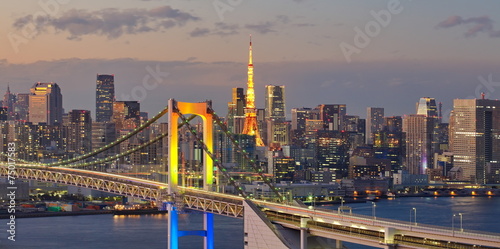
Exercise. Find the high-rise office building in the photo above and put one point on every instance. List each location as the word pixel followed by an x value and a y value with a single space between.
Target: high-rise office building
pixel 236 111
pixel 475 132
pixel 45 104
pixel 126 115
pixel 103 133
pixel 275 103
pixel 332 116
pixel 374 122
pixel 22 105
pixel 419 153
pixel 332 152
pixel 277 130
pixel 300 115
pixel 427 106
pixel 79 134
pixel 9 101
pixel 105 96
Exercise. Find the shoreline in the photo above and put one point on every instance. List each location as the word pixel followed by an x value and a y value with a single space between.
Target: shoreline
pixel 50 214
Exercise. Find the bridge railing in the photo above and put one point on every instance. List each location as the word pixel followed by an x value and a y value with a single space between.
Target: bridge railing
pixel 411 226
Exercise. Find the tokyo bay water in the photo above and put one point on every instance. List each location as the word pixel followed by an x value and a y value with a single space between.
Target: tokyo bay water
pixel 149 231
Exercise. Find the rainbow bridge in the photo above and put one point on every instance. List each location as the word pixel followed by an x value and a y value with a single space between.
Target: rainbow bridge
pixel 267 224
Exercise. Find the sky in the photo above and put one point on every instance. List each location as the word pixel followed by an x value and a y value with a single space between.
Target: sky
pixel 370 53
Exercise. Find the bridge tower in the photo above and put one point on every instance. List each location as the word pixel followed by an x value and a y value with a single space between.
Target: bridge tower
pixel 200 109
pixel 174 110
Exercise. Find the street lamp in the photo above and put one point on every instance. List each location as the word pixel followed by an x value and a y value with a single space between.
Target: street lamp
pixel 453 224
pixel 461 227
pixel 414 216
pixel 373 210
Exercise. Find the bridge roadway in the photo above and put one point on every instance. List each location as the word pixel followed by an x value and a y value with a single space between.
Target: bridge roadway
pixel 324 223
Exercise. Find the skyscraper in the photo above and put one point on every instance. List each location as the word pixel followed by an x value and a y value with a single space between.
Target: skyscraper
pixel 105 95
pixel 419 153
pixel 332 116
pixel 475 132
pixel 45 104
pixel 427 106
pixel 300 115
pixel 374 122
pixel 79 135
pixel 126 115
pixel 250 127
pixel 275 102
pixel 9 100
pixel 22 105
pixel 236 111
pixel 277 129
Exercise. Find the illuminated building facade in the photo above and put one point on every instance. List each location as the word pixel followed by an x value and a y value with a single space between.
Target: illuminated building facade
pixel 236 111
pixel 475 131
pixel 277 129
pixel 126 115
pixel 79 136
pixel 332 152
pixel 45 104
pixel 332 116
pixel 251 127
pixel 374 122
pixel 419 133
pixel 9 101
pixel 105 96
pixel 21 107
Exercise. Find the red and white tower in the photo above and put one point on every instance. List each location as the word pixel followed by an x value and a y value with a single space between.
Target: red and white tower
pixel 250 127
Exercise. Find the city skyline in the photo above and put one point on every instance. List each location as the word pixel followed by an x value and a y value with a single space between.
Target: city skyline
pixel 450 54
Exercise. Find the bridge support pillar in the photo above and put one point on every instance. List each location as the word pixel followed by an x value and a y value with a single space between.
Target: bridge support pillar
pixel 173 229
pixel 338 244
pixel 389 237
pixel 208 225
pixel 174 233
pixel 303 232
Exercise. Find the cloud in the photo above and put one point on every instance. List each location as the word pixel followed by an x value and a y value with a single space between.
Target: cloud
pixel 278 23
pixel 262 28
pixel 474 25
pixel 219 29
pixel 111 23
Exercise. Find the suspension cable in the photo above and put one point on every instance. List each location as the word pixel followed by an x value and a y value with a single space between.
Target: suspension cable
pixel 209 153
pixel 106 147
pixel 258 169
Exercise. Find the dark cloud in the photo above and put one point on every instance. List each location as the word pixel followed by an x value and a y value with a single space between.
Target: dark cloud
pixel 219 29
pixel 278 23
pixel 110 22
pixel 199 32
pixel 262 28
pixel 474 25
